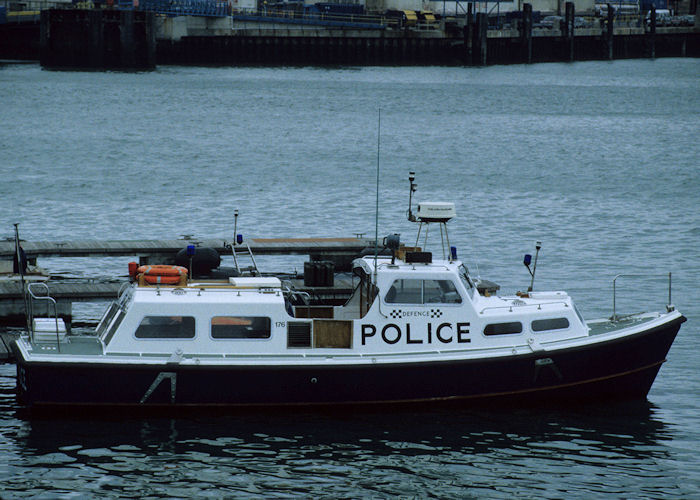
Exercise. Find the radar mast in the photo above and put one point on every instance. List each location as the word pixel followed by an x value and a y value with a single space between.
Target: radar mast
pixel 431 212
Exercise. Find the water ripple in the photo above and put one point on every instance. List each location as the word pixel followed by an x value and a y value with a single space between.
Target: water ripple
pixel 590 158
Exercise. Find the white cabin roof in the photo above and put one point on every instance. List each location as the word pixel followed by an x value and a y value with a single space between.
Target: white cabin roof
pixel 384 265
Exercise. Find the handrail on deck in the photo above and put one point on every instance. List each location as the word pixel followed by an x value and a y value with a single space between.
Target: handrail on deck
pixel 511 306
pixel 123 287
pixel 615 317
pixel 50 300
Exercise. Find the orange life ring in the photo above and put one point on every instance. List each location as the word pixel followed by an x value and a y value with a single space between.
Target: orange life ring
pixel 161 280
pixel 162 274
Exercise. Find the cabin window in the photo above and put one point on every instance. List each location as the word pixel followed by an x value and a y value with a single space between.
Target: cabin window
pixel 240 327
pixel 578 313
pixel 107 319
pixel 363 295
pixel 540 325
pixel 110 322
pixel 503 328
pixel 166 327
pixel 113 329
pixel 411 291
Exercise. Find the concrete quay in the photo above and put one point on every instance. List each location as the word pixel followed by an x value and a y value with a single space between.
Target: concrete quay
pixel 341 251
pixel 163 251
pixel 114 39
pixel 470 43
pixel 97 39
pixel 468 40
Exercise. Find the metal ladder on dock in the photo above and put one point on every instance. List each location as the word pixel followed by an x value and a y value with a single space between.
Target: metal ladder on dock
pixel 243 250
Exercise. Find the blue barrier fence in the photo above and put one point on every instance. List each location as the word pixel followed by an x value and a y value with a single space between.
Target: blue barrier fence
pixel 209 8
pixel 312 21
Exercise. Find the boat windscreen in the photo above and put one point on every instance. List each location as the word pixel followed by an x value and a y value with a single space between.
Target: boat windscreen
pixel 107 319
pixel 113 327
pixel 466 280
pixel 580 316
pixel 362 297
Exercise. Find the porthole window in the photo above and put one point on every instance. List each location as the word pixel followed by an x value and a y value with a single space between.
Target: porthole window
pixel 541 325
pixel 503 328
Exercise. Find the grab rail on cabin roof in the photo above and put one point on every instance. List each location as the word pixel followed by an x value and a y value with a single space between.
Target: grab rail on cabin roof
pixel 288 290
pixel 290 293
pixel 511 306
pixel 669 306
pixel 50 300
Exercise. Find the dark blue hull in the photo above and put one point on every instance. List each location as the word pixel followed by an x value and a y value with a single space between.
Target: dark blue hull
pixel 619 369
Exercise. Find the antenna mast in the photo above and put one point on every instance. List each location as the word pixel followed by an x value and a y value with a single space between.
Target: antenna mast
pixel 431 212
pixel 414 186
pixel 376 209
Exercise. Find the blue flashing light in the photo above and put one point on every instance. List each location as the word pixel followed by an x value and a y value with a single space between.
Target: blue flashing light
pixel 453 252
pixel 527 259
pixel 239 238
pixel 190 250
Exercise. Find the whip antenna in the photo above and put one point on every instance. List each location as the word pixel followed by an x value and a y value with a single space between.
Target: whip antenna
pixel 376 208
pixel 21 259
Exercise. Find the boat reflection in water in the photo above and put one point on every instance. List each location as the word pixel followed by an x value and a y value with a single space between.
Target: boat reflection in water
pixel 628 429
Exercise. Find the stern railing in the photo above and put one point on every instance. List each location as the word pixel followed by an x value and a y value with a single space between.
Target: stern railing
pixel 49 301
pixel 615 317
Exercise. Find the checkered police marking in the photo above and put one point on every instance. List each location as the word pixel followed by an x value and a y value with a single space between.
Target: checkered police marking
pixel 435 313
pixel 395 313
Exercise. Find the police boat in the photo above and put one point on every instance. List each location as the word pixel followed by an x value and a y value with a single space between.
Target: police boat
pixel 417 329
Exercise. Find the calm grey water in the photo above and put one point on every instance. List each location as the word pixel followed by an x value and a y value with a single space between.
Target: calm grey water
pixel 597 160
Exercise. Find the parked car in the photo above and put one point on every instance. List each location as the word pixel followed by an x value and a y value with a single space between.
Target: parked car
pixel 688 20
pixel 663 17
pixel 582 22
pixel 552 22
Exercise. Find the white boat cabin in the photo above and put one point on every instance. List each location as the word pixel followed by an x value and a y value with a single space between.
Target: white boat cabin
pixel 397 307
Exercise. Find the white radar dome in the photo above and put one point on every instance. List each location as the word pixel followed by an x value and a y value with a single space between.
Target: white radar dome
pixel 435 211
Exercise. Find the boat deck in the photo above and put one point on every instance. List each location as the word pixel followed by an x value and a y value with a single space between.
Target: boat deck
pixel 73 344
pixel 601 326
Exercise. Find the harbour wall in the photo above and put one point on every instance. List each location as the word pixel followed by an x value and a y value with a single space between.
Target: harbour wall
pixel 20 41
pixel 498 48
pixel 97 39
pixel 126 39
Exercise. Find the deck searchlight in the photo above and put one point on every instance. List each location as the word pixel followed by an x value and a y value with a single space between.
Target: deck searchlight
pixel 392 242
pixel 431 212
